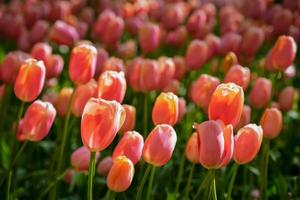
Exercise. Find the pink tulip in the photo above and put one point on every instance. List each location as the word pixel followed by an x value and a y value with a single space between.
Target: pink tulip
pixel 166 71
pixel 63 100
pixel 63 33
pixel 271 122
pixel 192 148
pixel 54 65
pixel 245 117
pixel 149 37
pixel 80 159
pixel 260 94
pixel 104 165
pixel 196 54
pixel 102 56
pixel 238 75
pixel 113 64
pixel 180 68
pixel 286 98
pixel 130 119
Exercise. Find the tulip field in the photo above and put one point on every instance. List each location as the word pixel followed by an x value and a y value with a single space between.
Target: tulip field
pixel 149 99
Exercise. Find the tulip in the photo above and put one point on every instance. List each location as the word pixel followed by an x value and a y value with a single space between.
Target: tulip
pixel 196 55
pixel 173 86
pixel 112 86
pixel 180 68
pixel 229 60
pixel 63 100
pixel 82 64
pixel 165 109
pixel 149 37
pixel 192 148
pixel 30 80
pixel 282 20
pixel 80 159
pixel 101 120
pixel 159 145
pixel 102 56
pixel 202 89
pixel 63 33
pixel 127 49
pixel 38 120
pixel 177 37
pixel 238 75
pixel 82 94
pixel 54 66
pixel 38 31
pixel 182 108
pixel 215 144
pixel 245 117
pixel 261 92
pixel 252 40
pixel 120 175
pixel 173 16
pixel 213 44
pixel 104 165
pixel 113 64
pixel 230 42
pixel 286 98
pixel 131 146
pixel 166 71
pixel 196 22
pixel 271 122
pixel 69 177
pixel 41 51
pixel 247 143
pixel 129 122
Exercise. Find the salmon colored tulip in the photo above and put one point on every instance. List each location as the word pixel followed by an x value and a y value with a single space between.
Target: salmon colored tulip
pixel 180 68
pixel 229 60
pixel 112 86
pixel 39 31
pixel 30 80
pixel 226 104
pixel 104 166
pixel 80 159
pixel 165 109
pixel 63 33
pixel 82 64
pixel 177 37
pixel 196 55
pixel 127 49
pixel 82 94
pixel 131 146
pixel 113 64
pixel 159 145
pixel 213 45
pixel 41 51
pixel 120 175
pixel 245 117
pixel 166 71
pixel 230 42
pixel 149 37
pixel 271 122
pixel 286 98
pixel 63 100
pixel 247 143
pixel 238 75
pixel 202 89
pixel 182 108
pixel 261 92
pixel 54 66
pixel 252 40
pixel 102 56
pixel 173 86
pixel 192 148
pixel 100 122
pixel 215 144
pixel 38 120
pixel 130 119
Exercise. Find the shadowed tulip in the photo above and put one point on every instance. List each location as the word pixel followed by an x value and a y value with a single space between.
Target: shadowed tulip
pixel 252 40
pixel 180 68
pixel 63 100
pixel 127 49
pixel 213 44
pixel 131 146
pixel 245 117
pixel 165 109
pixel 271 122
pixel 120 175
pixel 196 55
pixel 54 66
pixel 261 92
pixel 173 16
pixel 229 60
pixel 104 166
pixel 182 108
pixel 63 33
pixel 192 148
pixel 38 120
pixel 112 86
pixel 102 56
pixel 196 22
pixel 173 87
pixel 82 64
pixel 159 145
pixel 238 75
pixel 177 37
pixel 129 122
pixel 230 42
pixel 39 31
pixel 149 37
pixel 282 20
pixel 247 143
pixel 113 64
pixel 286 98
pixel 30 80
pixel 41 51
pixel 80 159
pixel 166 71
pixel 215 144
pixel 101 120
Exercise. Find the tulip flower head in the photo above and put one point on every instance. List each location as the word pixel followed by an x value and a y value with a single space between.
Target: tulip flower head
pixel 271 122
pixel 80 159
pixel 104 165
pixel 261 92
pixel 238 75
pixel 63 100
pixel 192 148
pixel 130 119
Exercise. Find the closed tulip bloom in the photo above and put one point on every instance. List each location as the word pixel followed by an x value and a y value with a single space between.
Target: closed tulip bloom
pixel 180 68
pixel 271 122
pixel 131 146
pixel 192 148
pixel 82 64
pixel 230 42
pixel 112 86
pixel 63 33
pixel 177 37
pixel 149 37
pixel 113 64
pixel 100 122
pixel 213 44
pixel 182 108
pixel 247 143
pixel 82 94
pixel 165 109
pixel 104 166
pixel 173 87
pixel 41 51
pixel 173 16
pixel 80 159
pixel 226 104
pixel 196 54
pixel 129 122
pixel 127 50
pixel 54 66
pixel 39 31
pixel 166 71
pixel 159 145
pixel 120 175
pixel 63 100
pixel 38 120
pixel 261 92
pixel 245 117
pixel 238 75
pixel 229 60
pixel 20 133
pixel 196 22
pixel 30 80
pixel 215 144
pixel 102 56
pixel 252 40
pixel 286 98
pixel 202 90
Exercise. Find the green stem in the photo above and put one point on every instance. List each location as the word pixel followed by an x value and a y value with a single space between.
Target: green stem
pixel 235 170
pixel 264 170
pixel 145 117
pixel 149 190
pixel 108 194
pixel 213 185
pixel 142 184
pixel 8 185
pixel 188 184
pixel 179 176
pixel 202 185
pixel 92 167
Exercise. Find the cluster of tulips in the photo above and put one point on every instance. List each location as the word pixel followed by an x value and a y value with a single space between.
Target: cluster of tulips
pixel 134 79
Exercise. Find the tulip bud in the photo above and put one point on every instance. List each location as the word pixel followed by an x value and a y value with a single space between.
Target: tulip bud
pixel 180 68
pixel 260 94
pixel 127 49
pixel 113 64
pixel 41 51
pixel 166 71
pixel 238 75
pixel 245 117
pixel 282 20
pixel 271 122
pixel 215 144
pixel 213 44
pixel 173 87
pixel 82 64
pixel 192 148
pixel 230 42
pixel 101 120
pixel 196 22
pixel 173 16
pixel 38 120
pixel 112 86
pixel 54 66
pixel 30 80
pixel 177 37
pixel 80 159
pixel 39 31
pixel 104 165
pixel 82 94
pixel 196 55
pixel 229 60
pixel 286 98
pixel 252 41
pixel 165 109
pixel 120 175
pixel 131 146
pixel 159 145
pixel 182 108
pixel 129 122
pixel 247 143
pixel 63 100
pixel 63 33
pixel 102 56
pixel 149 37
